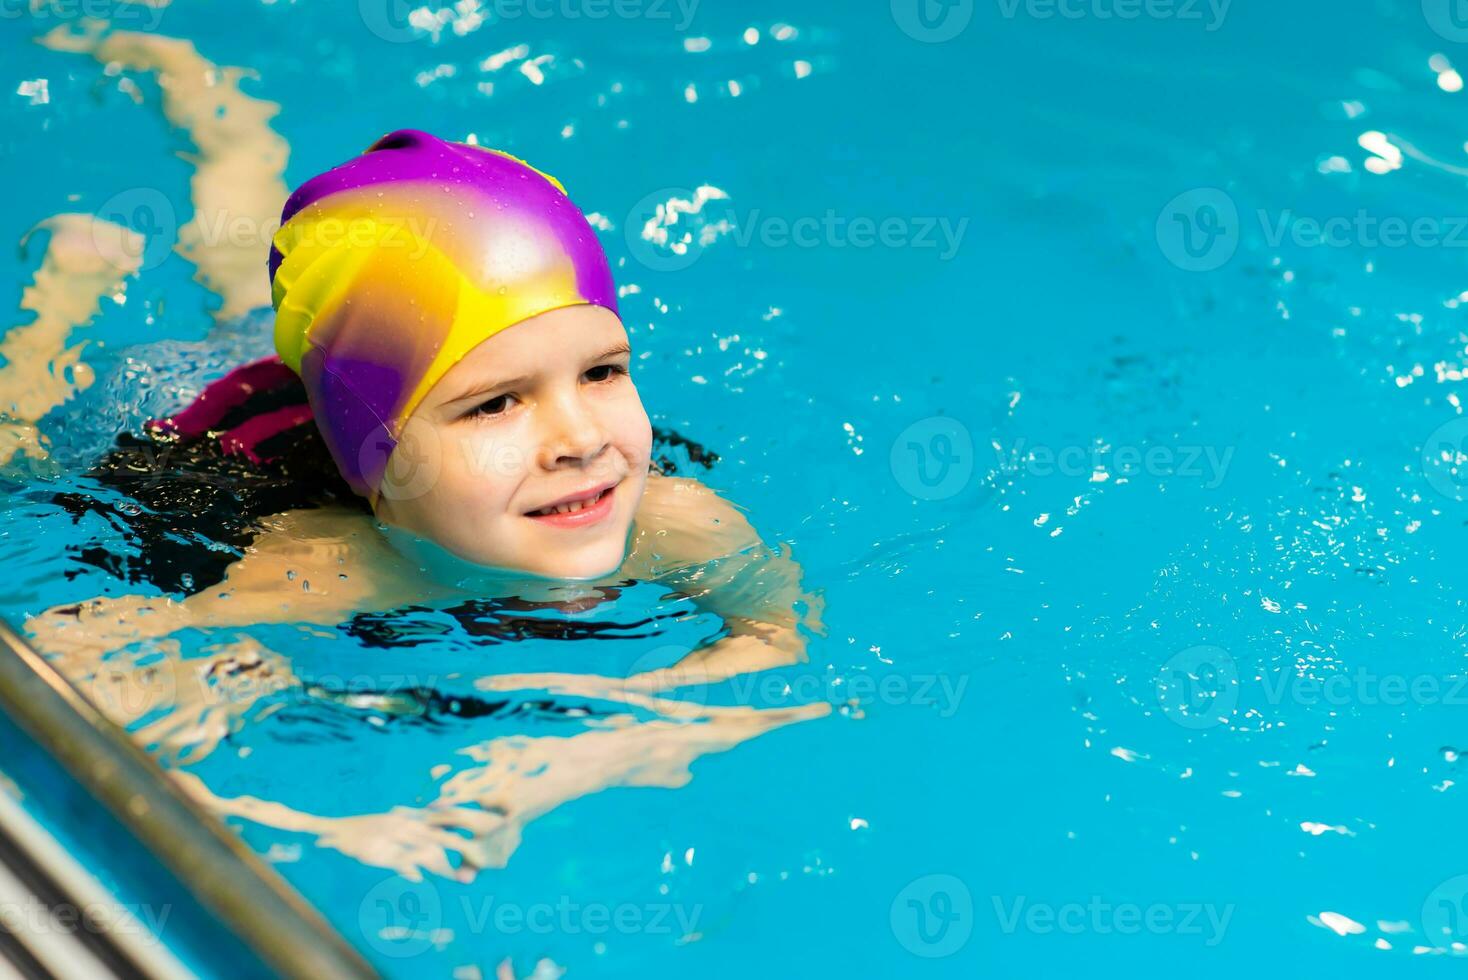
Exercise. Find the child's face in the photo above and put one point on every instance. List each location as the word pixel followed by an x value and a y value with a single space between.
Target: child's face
pixel 540 412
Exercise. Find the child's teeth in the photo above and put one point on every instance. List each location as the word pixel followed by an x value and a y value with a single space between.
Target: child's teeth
pixel 572 507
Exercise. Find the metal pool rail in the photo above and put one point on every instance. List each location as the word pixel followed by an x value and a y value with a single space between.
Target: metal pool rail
pixel 96 831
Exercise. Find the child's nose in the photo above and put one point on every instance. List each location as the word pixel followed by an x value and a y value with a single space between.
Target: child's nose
pixel 576 437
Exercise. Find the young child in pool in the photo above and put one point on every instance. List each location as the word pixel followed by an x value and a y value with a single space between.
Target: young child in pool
pixel 453 320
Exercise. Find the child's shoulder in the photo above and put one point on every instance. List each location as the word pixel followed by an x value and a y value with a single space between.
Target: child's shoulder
pixel 681 521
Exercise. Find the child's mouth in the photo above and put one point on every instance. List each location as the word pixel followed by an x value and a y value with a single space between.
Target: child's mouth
pixel 586 510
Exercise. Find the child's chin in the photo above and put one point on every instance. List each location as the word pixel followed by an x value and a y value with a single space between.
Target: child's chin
pixel 586 567
pixel 588 562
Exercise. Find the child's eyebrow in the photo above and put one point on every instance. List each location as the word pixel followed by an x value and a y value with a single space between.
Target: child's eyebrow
pixel 613 351
pixel 485 388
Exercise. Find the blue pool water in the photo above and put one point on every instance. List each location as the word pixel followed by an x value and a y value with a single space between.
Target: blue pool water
pixel 1141 536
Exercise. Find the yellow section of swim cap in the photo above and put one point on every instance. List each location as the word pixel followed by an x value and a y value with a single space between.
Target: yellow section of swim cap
pixel 324 274
pixel 322 258
pixel 481 314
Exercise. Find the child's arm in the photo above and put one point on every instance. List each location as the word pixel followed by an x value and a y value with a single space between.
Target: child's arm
pixel 476 820
pixel 710 552
pixel 340 564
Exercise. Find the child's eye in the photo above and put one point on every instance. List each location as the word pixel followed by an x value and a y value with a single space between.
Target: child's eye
pixel 495 406
pixel 605 372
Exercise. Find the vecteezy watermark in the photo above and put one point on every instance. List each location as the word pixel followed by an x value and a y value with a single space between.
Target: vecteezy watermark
pixel 933 916
pixel 567 917
pixel 932 21
pixel 33 918
pixel 1363 686
pixel 1445 914
pixel 136 15
pixel 129 690
pixel 412 464
pixel 1200 230
pixel 400 21
pixel 1210 13
pixel 1363 230
pixel 1445 459
pixel 669 229
pixel 1449 18
pixel 1200 688
pixel 939 691
pixel 411 233
pixel 126 691
pixel 682 683
pixel 673 670
pixel 400 918
pixel 148 212
pixel 1207 464
pixel 23 467
pixel 1099 917
pixel 933 458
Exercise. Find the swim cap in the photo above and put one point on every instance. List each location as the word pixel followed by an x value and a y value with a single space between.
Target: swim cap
pixel 388 269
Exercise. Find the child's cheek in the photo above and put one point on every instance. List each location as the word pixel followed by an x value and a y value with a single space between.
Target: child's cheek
pixel 481 472
pixel 636 430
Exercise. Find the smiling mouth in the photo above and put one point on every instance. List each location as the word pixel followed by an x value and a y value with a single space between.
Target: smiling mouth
pixel 590 507
pixel 572 508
